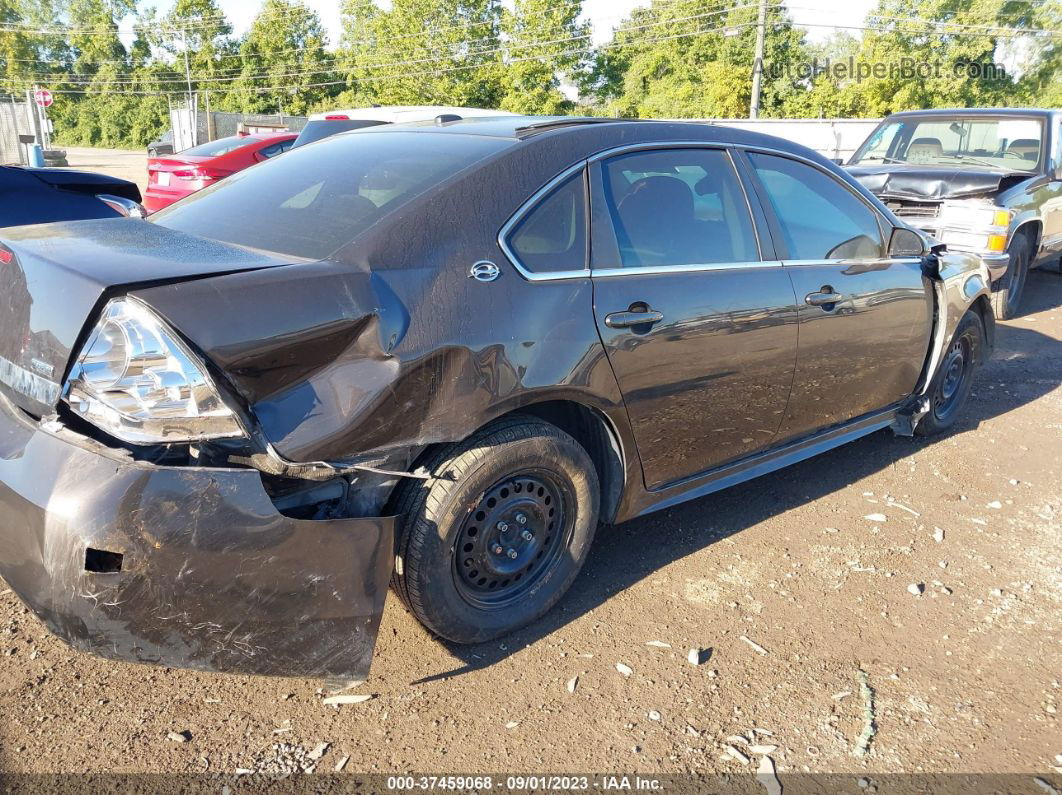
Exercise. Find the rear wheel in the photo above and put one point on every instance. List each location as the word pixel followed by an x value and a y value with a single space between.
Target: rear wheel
pixel 1006 293
pixel 953 381
pixel 499 533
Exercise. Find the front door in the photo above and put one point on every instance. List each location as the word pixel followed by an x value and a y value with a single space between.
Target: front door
pixel 700 331
pixel 865 320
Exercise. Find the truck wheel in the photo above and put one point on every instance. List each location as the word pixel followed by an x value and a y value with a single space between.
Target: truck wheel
pixel 952 383
pixel 497 535
pixel 1006 293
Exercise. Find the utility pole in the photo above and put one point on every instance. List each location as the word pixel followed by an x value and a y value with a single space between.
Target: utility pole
pixel 188 76
pixel 757 64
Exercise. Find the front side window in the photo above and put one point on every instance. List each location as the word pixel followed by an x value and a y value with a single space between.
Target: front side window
pixel 551 237
pixel 677 207
pixel 820 218
pixel 1011 144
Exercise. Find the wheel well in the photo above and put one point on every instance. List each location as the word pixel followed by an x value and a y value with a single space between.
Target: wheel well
pixel 586 426
pixel 983 307
pixel 1031 230
pixel 595 434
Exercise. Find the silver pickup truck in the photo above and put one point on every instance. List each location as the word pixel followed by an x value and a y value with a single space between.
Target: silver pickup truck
pixel 986 181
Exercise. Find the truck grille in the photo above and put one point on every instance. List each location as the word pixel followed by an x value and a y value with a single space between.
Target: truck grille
pixel 914 211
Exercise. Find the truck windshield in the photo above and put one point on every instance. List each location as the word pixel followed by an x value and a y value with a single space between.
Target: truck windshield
pixel 314 200
pixel 1011 144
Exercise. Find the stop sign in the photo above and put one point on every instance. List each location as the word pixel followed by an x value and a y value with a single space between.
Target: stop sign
pixel 43 97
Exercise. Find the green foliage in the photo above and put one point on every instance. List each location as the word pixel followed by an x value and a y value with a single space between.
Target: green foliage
pixel 670 59
pixel 285 66
pixel 421 52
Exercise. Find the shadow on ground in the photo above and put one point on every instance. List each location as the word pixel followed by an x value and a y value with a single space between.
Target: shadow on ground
pixel 1027 362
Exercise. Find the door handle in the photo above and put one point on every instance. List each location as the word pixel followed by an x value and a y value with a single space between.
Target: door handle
pixel 823 298
pixel 645 317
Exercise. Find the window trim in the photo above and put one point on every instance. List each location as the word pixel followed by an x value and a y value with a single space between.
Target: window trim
pixel 885 227
pixel 764 244
pixel 528 207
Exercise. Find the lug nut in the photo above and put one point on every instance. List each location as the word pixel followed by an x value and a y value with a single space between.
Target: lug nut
pixel 521 519
pixel 513 555
pixel 527 535
pixel 503 527
pixel 498 549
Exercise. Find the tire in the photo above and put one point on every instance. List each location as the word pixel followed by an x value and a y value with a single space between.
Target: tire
pixel 953 381
pixel 448 570
pixel 1006 293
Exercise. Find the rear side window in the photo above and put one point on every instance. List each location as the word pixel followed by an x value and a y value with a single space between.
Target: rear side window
pixel 552 236
pixel 677 207
pixel 820 218
pixel 222 146
pixel 316 199
pixel 275 149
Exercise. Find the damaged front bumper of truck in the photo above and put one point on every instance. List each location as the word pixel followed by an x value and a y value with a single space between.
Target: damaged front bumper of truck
pixel 189 567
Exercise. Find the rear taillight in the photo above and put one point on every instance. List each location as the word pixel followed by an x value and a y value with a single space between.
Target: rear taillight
pixel 6 256
pixel 201 172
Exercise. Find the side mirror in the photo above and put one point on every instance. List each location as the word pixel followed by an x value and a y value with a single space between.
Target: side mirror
pixel 906 243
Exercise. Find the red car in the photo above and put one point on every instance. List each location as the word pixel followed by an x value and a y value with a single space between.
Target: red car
pixel 175 176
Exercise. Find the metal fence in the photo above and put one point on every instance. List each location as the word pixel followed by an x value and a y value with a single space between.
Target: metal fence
pixel 15 120
pixel 836 138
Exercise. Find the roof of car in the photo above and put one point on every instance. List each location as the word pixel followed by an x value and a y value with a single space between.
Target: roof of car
pixel 397 114
pixel 967 112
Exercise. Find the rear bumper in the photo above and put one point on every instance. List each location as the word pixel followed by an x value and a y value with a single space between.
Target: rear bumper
pixel 211 576
pixel 155 200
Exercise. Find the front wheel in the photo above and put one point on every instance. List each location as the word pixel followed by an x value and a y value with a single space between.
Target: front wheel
pixel 497 535
pixel 1006 293
pixel 954 379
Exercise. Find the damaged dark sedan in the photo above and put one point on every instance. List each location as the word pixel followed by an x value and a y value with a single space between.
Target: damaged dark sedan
pixel 436 358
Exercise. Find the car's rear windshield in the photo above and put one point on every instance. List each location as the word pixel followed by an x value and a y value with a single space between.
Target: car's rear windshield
pixel 314 200
pixel 316 129
pixel 222 146
pixel 1005 143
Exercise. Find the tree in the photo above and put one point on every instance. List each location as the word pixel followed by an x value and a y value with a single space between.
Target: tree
pixel 284 61
pixel 694 59
pixel 544 43
pixel 442 52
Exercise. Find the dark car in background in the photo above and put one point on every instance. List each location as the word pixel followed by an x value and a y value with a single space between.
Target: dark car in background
pixel 328 383
pixel 45 195
pixel 988 181
pixel 173 177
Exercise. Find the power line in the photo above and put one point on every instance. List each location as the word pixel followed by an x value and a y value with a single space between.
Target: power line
pixel 87 80
pixel 436 72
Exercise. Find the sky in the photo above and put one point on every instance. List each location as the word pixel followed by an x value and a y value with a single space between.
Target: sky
pixel 603 14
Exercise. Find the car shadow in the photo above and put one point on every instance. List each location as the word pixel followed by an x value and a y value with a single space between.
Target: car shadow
pixel 1026 365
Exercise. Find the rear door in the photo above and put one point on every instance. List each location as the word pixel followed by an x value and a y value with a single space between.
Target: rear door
pixel 865 319
pixel 700 327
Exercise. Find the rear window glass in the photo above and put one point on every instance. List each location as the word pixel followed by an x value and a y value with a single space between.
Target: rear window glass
pixel 222 146
pixel 315 199
pixel 316 129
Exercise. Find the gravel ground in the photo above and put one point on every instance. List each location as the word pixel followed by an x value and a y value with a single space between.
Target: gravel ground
pixel 914 582
pixel 124 163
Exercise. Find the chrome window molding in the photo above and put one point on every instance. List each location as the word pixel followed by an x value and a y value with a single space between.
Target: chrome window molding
pixel 527 207
pixel 869 261
pixel 653 270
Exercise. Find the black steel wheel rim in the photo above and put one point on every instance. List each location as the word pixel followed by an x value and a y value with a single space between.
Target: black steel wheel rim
pixel 512 536
pixel 955 369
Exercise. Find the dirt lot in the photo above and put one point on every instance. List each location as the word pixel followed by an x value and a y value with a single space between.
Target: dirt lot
pixel 130 165
pixel 798 586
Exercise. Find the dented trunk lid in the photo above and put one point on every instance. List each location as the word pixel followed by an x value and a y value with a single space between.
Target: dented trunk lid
pixel 53 276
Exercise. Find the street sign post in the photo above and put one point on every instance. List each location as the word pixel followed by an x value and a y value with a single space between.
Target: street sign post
pixel 43 97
